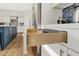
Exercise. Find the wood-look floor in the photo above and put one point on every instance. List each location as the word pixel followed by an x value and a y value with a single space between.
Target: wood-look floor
pixel 14 48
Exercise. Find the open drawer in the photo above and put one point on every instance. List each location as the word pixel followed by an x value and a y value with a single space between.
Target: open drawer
pixel 39 38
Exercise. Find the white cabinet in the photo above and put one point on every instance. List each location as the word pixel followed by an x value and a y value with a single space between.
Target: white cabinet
pixel 72 53
pixel 56 50
pixel 73 42
pixel 73 38
pixel 63 50
pixel 60 49
pixel 44 52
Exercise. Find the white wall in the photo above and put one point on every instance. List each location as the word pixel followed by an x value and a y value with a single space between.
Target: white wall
pixel 28 18
pixel 49 14
pixel 5 14
pixel 27 15
pixel 5 19
pixel 15 6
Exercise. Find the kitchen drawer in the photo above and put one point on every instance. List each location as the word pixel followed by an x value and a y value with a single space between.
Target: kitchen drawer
pixel 37 38
pixel 56 50
pixel 46 38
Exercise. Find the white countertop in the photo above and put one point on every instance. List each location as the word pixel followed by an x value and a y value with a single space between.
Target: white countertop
pixel 73 26
pixel 7 25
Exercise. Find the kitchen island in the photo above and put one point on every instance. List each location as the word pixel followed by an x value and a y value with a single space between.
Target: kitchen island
pixel 7 34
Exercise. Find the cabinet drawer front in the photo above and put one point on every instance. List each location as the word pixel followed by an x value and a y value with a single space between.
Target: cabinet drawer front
pixel 47 38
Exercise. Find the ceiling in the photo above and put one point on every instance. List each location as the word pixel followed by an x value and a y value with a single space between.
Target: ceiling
pixel 63 5
pixel 25 6
pixel 15 6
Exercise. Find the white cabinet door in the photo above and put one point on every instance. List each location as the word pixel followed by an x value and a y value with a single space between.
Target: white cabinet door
pixel 56 49
pixel 60 49
pixel 73 40
pixel 72 53
pixel 44 52
pixel 63 50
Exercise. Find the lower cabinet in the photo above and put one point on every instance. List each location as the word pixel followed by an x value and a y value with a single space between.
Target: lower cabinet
pixel 7 34
pixel 56 49
pixel 72 53
pixel 44 52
